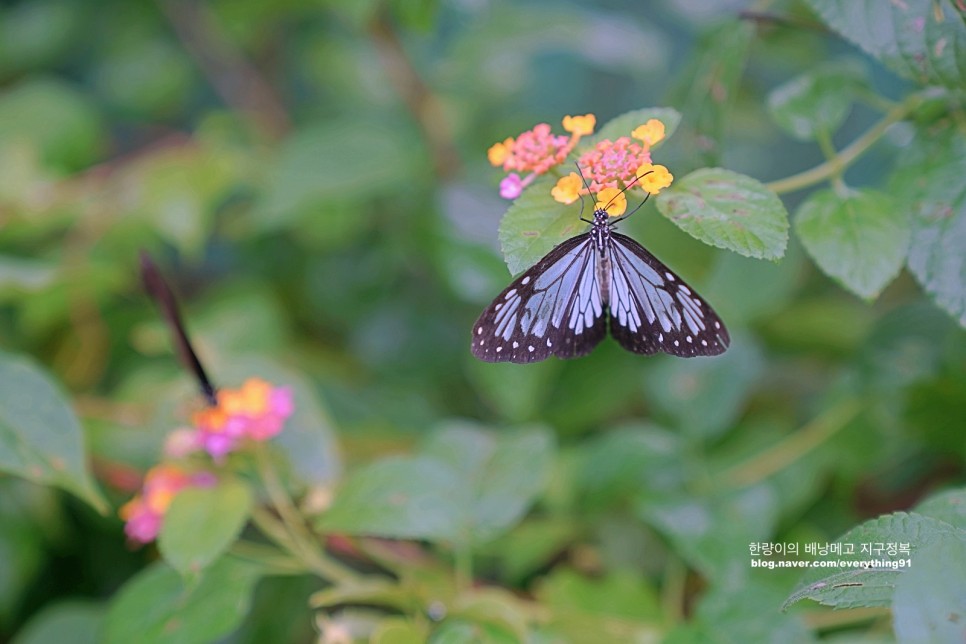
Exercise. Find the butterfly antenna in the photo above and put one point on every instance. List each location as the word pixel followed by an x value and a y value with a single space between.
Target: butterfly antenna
pixel 630 183
pixel 586 185
pixel 161 293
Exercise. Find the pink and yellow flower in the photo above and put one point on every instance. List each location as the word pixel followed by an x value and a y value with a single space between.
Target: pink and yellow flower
pixel 612 200
pixel 651 133
pixel 612 166
pixel 257 411
pixel 568 188
pixel 654 178
pixel 535 152
pixel 144 514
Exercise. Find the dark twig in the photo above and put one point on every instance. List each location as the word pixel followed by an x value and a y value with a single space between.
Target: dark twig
pixel 161 293
pixel 419 99
pixel 233 77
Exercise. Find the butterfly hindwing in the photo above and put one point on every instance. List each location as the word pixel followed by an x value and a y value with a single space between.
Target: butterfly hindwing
pixel 554 308
pixel 652 309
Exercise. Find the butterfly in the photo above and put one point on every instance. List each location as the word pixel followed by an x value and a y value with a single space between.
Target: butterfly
pixel 562 305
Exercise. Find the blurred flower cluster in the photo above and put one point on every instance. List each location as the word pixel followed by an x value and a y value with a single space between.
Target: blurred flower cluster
pixel 255 412
pixel 605 170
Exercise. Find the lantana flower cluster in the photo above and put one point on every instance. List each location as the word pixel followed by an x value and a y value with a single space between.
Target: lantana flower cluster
pixel 144 513
pixel 606 169
pixel 536 151
pixel 255 412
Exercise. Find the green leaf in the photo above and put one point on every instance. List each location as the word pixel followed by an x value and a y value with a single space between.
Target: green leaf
pixel 67 621
pixel 624 124
pixel 852 587
pixel 712 534
pixel 25 274
pixel 467 486
pixel 396 630
pixel 462 631
pixel 704 397
pixel 202 523
pixel 401 498
pixel 535 223
pixel 530 546
pixel 159 606
pixel 923 40
pixel 618 594
pixel 929 177
pixel 861 239
pixel 55 119
pixel 749 613
pixel 40 437
pixel 613 609
pixel 338 160
pixel 948 506
pixel 929 604
pixel 776 283
pixel 728 210
pixel 179 190
pixel 502 476
pixel 622 462
pixel 816 101
pixel 517 395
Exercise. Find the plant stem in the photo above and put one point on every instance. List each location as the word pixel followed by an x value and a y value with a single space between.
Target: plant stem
pixel 463 554
pixel 673 589
pixel 848 155
pixel 279 563
pixel 292 531
pixel 790 449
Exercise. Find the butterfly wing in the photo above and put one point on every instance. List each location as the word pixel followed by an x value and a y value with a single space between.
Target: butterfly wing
pixel 652 309
pixel 554 308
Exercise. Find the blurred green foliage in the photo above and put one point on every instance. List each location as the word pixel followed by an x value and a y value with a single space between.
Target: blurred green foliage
pixel 312 175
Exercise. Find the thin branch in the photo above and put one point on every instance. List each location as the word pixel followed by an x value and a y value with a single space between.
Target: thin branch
pixel 299 540
pixel 849 154
pixel 788 450
pixel 418 98
pixel 238 82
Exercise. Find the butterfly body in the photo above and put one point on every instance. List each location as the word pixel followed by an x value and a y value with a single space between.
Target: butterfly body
pixel 564 304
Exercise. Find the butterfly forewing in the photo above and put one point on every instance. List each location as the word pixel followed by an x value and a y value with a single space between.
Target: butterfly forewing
pixel 554 308
pixel 652 309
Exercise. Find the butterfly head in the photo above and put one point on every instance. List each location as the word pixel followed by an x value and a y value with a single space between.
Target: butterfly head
pixel 601 217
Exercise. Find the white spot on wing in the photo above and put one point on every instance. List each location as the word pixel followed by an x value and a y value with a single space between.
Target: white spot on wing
pixel 670 277
pixel 479 330
pixel 499 349
pixel 704 343
pixel 515 344
pixel 525 280
pixel 530 348
pixel 510 294
pixel 676 343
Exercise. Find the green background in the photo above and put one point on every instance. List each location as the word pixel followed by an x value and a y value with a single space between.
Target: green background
pixel 312 177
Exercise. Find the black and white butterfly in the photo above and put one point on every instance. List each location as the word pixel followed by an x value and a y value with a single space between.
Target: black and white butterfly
pixel 561 306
